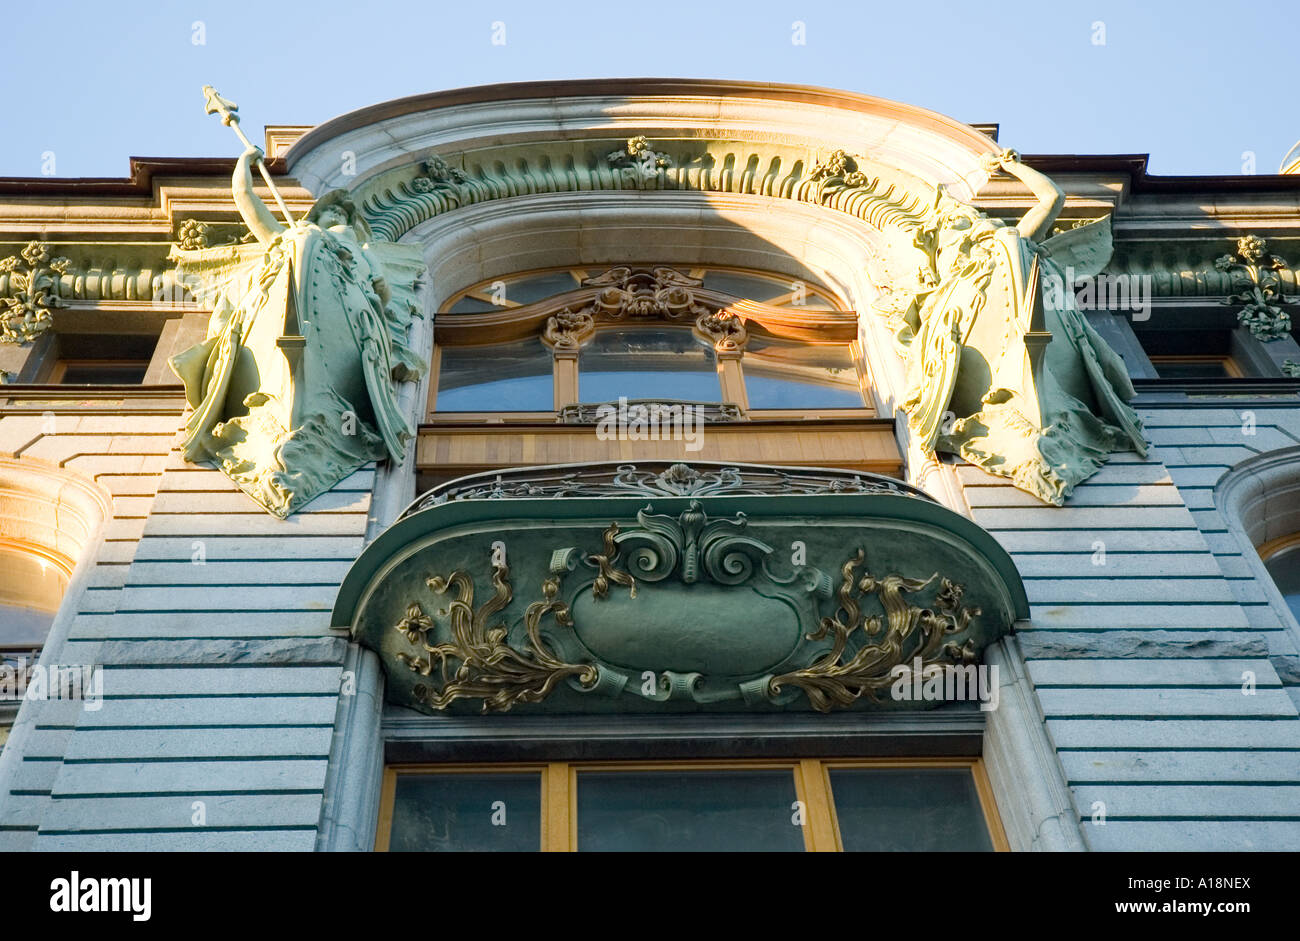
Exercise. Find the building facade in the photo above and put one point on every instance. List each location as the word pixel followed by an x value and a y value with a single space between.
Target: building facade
pixel 649 464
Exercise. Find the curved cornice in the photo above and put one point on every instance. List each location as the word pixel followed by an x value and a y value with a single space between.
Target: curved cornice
pixel 883 197
pixel 931 146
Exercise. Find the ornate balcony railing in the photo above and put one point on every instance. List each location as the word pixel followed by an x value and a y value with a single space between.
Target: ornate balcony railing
pixel 658 479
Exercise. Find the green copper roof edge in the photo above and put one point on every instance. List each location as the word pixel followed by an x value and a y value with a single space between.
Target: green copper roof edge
pixel 376 556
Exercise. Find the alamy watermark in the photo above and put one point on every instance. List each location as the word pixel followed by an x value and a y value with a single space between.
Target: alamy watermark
pixel 946 682
pixel 653 421
pixel 1121 293
pixel 18 681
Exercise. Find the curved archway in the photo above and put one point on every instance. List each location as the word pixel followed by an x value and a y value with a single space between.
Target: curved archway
pixel 1260 500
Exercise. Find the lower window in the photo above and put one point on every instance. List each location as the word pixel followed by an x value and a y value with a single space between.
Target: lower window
pixel 747 806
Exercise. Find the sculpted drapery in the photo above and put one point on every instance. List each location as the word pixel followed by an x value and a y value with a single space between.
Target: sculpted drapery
pixel 293 388
pixel 1002 368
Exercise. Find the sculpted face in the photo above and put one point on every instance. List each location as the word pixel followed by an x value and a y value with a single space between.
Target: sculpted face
pixel 331 216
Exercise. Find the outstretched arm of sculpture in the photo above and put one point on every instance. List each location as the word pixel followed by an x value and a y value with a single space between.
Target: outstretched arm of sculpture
pixel 264 226
pixel 1037 222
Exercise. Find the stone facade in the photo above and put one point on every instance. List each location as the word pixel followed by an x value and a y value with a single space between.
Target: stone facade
pixel 1150 686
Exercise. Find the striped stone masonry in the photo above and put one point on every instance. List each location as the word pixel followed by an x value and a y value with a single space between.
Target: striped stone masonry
pixel 221 679
pixel 1151 660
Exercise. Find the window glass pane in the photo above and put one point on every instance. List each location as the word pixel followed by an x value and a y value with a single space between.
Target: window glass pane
pixel 687 811
pixel 799 375
pixel 647 363
pixel 467 813
pixel 504 377
pixel 751 286
pixel 90 373
pixel 538 287
pixel 1284 566
pixel 1192 369
pixel 471 305
pixel 906 809
pixel 31 588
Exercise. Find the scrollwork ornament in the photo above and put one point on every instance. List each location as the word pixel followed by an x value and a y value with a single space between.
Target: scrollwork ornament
pixel 487 667
pixel 568 329
pixel 906 632
pixel 724 329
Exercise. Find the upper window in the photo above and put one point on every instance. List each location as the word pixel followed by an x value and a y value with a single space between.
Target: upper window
pixel 647 363
pixel 519 290
pixel 499 377
pixel 541 341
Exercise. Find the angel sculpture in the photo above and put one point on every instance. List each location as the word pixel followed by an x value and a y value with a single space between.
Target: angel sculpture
pixel 293 389
pixel 1002 368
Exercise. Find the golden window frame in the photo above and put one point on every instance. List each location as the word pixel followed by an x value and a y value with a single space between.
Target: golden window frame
pixel 559 792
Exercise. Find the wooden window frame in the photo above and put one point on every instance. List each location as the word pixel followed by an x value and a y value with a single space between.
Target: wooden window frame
pixel 581 272
pixel 1274 546
pixel 61 366
pixel 1230 365
pixel 566 375
pixel 812 784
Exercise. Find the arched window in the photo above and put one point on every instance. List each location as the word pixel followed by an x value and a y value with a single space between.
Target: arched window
pixel 749 341
pixel 1260 500
pixel 1282 559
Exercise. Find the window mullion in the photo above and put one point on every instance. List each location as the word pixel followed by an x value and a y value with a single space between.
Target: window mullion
pixel 815 793
pixel 557 809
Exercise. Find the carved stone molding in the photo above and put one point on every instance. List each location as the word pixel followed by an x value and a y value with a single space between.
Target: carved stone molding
pixel 724 329
pixel 645 294
pixel 639 293
pixel 395 204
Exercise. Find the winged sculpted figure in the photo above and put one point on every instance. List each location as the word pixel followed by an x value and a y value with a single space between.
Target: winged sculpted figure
pixel 1002 367
pixel 294 387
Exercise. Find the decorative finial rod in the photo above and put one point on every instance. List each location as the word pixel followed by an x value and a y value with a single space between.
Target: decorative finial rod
pixel 229 111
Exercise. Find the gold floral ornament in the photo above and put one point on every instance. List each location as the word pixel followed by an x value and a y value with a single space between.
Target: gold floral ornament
pixel 839 677
pixel 32 292
pixel 487 667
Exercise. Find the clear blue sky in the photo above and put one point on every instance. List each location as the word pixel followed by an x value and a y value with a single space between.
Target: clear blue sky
pixel 1192 83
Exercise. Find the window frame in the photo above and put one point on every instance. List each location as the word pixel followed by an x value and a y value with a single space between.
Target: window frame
pixel 1231 367
pixel 812 783
pixel 61 367
pixel 566 363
